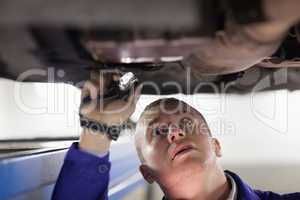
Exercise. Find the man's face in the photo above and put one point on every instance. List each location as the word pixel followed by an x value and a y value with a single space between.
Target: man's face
pixel 177 145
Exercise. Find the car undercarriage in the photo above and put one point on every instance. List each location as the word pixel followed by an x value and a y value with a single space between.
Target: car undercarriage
pixel 61 42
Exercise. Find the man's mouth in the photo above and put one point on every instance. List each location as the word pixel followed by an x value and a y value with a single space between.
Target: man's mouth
pixel 182 150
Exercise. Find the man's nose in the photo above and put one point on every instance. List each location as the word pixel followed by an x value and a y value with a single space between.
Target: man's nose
pixel 175 134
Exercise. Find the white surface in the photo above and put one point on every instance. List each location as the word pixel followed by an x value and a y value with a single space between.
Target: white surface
pixel 36 110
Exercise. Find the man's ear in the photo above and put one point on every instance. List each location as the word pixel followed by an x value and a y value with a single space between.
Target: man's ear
pixel 217 147
pixel 146 172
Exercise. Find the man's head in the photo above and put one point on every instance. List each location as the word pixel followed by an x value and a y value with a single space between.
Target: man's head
pixel 175 147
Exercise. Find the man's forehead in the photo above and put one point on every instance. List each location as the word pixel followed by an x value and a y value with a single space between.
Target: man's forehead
pixel 157 113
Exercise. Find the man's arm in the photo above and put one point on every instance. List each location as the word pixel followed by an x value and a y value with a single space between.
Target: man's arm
pixel 85 175
pixel 85 172
pixel 240 47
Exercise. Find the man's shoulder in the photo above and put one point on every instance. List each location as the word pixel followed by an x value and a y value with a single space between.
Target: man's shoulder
pixel 275 196
pixel 245 192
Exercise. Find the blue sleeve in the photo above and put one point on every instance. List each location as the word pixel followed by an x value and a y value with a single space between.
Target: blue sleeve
pixel 83 176
pixel 274 196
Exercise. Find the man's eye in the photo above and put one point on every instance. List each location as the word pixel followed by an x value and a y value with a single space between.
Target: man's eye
pixel 161 131
pixel 157 132
pixel 186 124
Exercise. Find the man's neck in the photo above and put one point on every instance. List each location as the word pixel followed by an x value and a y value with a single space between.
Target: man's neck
pixel 221 190
pixel 215 187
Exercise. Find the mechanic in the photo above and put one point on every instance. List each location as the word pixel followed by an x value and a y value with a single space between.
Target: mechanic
pixel 173 142
pixel 176 149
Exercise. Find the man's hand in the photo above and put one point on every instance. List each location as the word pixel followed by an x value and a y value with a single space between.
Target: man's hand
pixel 109 112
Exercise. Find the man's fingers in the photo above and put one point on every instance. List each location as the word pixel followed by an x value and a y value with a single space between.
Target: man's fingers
pixel 109 110
pixel 116 77
pixel 103 80
pixel 89 89
pixel 126 107
pixel 88 108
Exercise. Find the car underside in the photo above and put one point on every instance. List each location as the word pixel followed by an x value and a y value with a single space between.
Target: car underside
pixel 56 42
